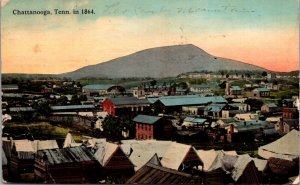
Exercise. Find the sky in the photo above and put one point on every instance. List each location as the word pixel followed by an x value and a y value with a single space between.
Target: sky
pixel 259 32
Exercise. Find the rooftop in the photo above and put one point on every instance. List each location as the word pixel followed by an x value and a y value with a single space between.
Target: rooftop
pixel 67 155
pixel 97 87
pixel 190 100
pixel 128 101
pixel 146 119
pixel 69 107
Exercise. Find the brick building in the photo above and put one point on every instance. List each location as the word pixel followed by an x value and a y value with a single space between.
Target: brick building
pixel 129 106
pixel 152 127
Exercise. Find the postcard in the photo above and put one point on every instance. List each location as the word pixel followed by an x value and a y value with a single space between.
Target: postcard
pixel 150 92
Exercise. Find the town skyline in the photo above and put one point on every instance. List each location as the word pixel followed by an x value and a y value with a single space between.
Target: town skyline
pixel 255 33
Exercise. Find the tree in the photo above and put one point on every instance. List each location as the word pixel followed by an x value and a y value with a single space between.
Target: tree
pixel 153 83
pixel 264 74
pixel 63 100
pixel 75 100
pixel 113 126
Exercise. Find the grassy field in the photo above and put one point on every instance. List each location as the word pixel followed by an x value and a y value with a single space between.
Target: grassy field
pixel 44 130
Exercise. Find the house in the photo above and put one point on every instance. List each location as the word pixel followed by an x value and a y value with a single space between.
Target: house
pixel 286 147
pixel 281 169
pixel 169 104
pixel 141 151
pixel 240 106
pixel 114 161
pixel 154 173
pixel 260 92
pixel 246 116
pixel 290 113
pixel 247 130
pixel 232 90
pixel 289 125
pixel 269 108
pixel 125 106
pixel 9 88
pixel 67 165
pixel 190 122
pixel 200 88
pixel 181 157
pixel 241 169
pixel 152 127
pixel 72 108
pixel 23 155
pixel 191 109
pixel 157 90
pixel 290 120
pixel 102 89
pixel 215 110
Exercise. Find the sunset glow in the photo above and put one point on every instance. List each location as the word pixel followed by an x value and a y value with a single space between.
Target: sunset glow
pixel 61 43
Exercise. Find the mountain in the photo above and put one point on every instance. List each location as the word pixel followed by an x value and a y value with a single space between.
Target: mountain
pixel 168 61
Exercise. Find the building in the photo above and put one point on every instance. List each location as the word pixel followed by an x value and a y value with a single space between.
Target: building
pixel 286 147
pixel 260 92
pixel 190 122
pixel 269 108
pixel 200 88
pixel 232 90
pixel 169 104
pixel 240 106
pixel 154 173
pixel 215 110
pixel 154 91
pixel 23 155
pixel 152 127
pixel 9 88
pixel 67 165
pixel 181 157
pixel 130 106
pixel 239 131
pixel 102 89
pixel 72 108
pixel 113 160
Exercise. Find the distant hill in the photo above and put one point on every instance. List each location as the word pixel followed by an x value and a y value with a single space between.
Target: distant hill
pixel 160 62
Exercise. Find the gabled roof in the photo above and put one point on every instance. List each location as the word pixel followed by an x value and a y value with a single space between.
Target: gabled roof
pixel 46 144
pixel 154 174
pixel 214 107
pixel 286 147
pixel 67 155
pixel 152 100
pixel 251 125
pixel 70 107
pixel 235 88
pixel 195 120
pixel 271 105
pixel 21 109
pixel 128 101
pixel 70 142
pixel 176 154
pixel 200 86
pixel 190 100
pixel 97 87
pixel 209 156
pixel 141 151
pixel 105 151
pixel 146 119
pixel 262 89
pixel 33 146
